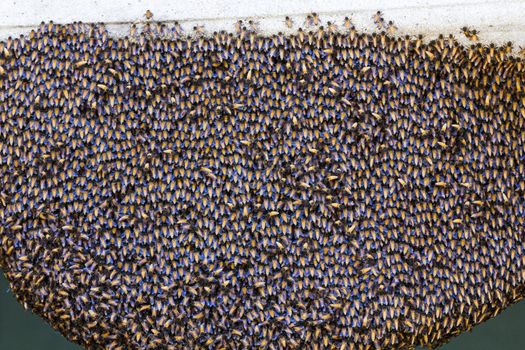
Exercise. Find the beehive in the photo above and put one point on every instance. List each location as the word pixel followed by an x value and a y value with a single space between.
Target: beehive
pixel 324 189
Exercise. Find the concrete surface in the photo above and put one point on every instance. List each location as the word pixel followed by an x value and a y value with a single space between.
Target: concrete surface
pixel 497 20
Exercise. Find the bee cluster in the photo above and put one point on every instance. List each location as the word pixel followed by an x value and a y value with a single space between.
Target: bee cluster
pixel 327 189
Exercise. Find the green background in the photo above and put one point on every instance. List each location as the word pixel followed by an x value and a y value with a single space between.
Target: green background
pixel 21 330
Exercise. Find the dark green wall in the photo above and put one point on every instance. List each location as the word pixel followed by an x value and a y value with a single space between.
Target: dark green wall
pixel 21 330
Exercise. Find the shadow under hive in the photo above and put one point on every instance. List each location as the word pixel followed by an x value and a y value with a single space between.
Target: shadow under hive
pixel 317 190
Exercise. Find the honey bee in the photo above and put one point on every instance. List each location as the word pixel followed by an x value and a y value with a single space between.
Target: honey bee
pixel 314 19
pixel 379 20
pixel 471 34
pixel 288 22
pixel 238 26
pixel 253 25
pixel 391 28
pixel 198 30
pixel 348 23
pixel 148 15
pixel 244 190
pixel 331 27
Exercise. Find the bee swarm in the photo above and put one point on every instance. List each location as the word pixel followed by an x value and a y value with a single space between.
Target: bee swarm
pixel 328 189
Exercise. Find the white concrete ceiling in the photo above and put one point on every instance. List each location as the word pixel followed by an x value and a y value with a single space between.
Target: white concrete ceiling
pixel 498 21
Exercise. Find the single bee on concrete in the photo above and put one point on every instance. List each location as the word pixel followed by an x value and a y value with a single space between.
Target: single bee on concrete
pixel 148 15
pixel 348 23
pixel 288 22
pixel 314 19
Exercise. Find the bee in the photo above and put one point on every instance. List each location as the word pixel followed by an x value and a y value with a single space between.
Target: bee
pixel 315 19
pixel 521 52
pixel 471 34
pixel 288 22
pixel 198 30
pixel 348 23
pixel 310 21
pixel 378 20
pixel 239 27
pixel 391 28
pixel 148 15
pixel 177 29
pixel 253 26
pixel 331 27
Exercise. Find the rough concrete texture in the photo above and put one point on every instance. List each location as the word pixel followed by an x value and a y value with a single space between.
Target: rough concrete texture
pixel 498 21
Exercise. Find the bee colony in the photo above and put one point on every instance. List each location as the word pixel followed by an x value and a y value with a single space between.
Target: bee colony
pixel 324 189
